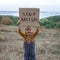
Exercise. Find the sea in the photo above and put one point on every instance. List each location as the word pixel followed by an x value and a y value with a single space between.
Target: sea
pixel 42 14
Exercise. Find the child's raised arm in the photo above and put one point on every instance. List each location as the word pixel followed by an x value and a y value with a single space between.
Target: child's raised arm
pixel 21 33
pixel 35 33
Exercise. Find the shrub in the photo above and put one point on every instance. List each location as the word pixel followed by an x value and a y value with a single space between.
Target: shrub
pixel 6 21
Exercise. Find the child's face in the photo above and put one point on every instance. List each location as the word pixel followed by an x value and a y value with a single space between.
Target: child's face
pixel 28 31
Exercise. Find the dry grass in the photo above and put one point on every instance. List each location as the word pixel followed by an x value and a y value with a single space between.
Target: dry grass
pixel 11 44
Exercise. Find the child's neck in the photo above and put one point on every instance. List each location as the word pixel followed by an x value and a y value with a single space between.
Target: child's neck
pixel 28 38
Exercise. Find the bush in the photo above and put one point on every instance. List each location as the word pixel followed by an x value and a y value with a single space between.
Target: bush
pixel 6 21
pixel 15 19
pixel 51 22
pixel 11 18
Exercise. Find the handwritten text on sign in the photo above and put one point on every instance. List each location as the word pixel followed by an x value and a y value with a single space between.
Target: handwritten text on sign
pixel 29 16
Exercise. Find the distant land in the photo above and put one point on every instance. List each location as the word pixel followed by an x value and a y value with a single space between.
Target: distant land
pixel 43 14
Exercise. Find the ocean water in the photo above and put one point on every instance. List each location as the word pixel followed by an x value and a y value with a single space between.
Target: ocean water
pixel 43 14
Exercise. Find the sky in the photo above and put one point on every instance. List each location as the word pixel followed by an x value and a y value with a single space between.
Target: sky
pixel 14 5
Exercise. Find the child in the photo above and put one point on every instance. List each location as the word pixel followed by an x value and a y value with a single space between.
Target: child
pixel 29 43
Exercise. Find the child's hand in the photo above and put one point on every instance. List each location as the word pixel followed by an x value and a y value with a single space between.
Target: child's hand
pixel 39 22
pixel 19 26
pixel 38 27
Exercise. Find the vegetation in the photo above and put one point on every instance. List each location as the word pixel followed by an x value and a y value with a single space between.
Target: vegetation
pixel 49 22
pixel 13 18
pixel 6 21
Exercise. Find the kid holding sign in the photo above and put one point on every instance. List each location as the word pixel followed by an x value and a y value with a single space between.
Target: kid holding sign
pixel 29 43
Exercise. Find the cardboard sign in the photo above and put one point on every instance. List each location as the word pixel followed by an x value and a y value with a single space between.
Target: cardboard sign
pixel 29 16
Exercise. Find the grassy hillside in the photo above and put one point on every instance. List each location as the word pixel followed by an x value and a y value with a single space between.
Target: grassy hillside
pixel 49 22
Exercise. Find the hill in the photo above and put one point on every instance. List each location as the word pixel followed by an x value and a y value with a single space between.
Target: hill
pixel 49 22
